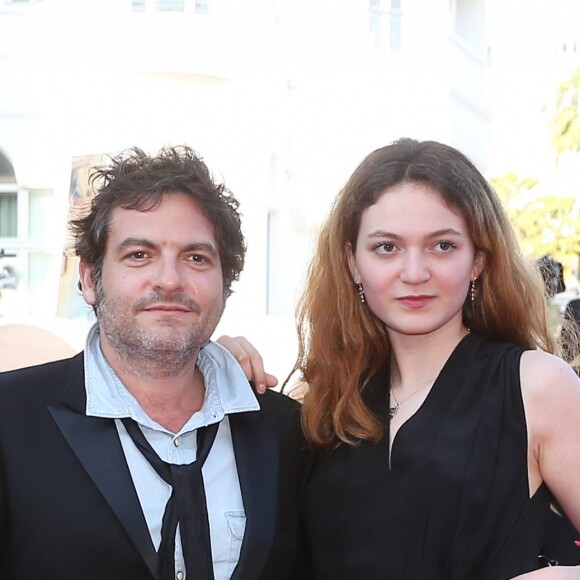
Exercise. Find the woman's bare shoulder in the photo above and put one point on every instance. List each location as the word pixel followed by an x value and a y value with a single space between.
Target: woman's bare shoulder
pixel 546 375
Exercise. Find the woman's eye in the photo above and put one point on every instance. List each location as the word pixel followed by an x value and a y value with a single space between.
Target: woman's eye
pixel 385 248
pixel 445 246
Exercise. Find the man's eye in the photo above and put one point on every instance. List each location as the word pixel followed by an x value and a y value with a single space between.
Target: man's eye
pixel 138 255
pixel 198 259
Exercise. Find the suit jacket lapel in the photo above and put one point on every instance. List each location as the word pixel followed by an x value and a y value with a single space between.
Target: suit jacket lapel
pixel 256 450
pixel 96 444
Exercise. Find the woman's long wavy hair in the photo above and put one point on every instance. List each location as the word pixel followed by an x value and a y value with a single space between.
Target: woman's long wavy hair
pixel 342 343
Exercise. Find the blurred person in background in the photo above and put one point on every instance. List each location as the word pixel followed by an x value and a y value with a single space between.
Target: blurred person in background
pixel 553 275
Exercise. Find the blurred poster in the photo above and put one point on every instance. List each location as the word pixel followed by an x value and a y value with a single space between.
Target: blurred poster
pixel 70 301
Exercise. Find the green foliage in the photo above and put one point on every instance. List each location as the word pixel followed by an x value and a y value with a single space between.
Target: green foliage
pixel 549 224
pixel 565 122
pixel 544 225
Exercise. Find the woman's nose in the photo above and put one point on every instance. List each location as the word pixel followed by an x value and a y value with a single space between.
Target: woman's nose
pixel 415 267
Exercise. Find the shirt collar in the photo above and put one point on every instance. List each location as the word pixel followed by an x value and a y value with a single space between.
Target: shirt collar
pixel 227 389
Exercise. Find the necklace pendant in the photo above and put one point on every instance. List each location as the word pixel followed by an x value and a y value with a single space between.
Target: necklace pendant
pixel 394 410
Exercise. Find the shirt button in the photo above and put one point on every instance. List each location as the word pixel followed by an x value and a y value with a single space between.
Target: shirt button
pixel 177 443
pixel 180 575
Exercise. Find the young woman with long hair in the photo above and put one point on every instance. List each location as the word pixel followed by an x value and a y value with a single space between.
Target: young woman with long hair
pixel 444 423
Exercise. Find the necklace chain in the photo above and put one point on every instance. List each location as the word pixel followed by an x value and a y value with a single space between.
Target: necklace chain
pixel 394 409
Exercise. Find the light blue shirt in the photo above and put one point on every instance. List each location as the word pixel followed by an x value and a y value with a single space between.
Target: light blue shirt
pixel 226 391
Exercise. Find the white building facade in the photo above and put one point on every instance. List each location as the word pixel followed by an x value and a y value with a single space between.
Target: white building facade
pixel 283 98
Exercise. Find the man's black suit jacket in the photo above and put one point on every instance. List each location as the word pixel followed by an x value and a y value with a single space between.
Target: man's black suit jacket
pixel 68 507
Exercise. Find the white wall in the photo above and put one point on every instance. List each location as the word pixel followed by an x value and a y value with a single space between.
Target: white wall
pixel 283 98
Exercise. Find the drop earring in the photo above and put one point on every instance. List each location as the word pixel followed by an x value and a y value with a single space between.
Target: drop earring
pixel 361 293
pixel 473 290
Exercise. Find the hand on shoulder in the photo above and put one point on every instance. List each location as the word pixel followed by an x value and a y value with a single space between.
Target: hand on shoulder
pixel 250 361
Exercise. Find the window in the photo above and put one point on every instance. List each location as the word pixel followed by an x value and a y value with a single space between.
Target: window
pixel 40 211
pixel 385 24
pixel 187 6
pixel 8 215
pixel 18 2
pixel 202 6
pixel 170 5
pixel 395 26
pixel 375 21
pixel 8 199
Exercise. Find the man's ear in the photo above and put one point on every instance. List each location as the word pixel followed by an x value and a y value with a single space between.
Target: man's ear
pixel 87 283
pixel 352 263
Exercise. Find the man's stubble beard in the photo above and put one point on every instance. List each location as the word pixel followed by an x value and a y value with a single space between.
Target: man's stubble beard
pixel 153 352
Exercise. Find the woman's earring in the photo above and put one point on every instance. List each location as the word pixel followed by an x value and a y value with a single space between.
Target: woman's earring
pixel 361 293
pixel 473 290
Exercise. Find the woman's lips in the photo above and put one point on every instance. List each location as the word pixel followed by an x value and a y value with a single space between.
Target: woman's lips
pixel 415 302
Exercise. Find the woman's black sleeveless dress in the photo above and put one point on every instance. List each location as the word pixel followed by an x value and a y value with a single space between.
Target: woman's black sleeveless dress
pixel 454 503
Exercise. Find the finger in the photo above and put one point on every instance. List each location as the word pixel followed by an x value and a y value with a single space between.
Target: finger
pixel 270 381
pixel 251 361
pixel 242 351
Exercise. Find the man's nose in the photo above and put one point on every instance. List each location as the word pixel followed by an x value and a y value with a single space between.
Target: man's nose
pixel 168 275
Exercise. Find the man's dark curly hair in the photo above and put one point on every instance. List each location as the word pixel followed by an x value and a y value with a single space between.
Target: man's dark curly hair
pixel 135 180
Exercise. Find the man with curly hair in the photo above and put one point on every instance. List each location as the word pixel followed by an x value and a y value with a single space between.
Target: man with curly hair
pixel 148 455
